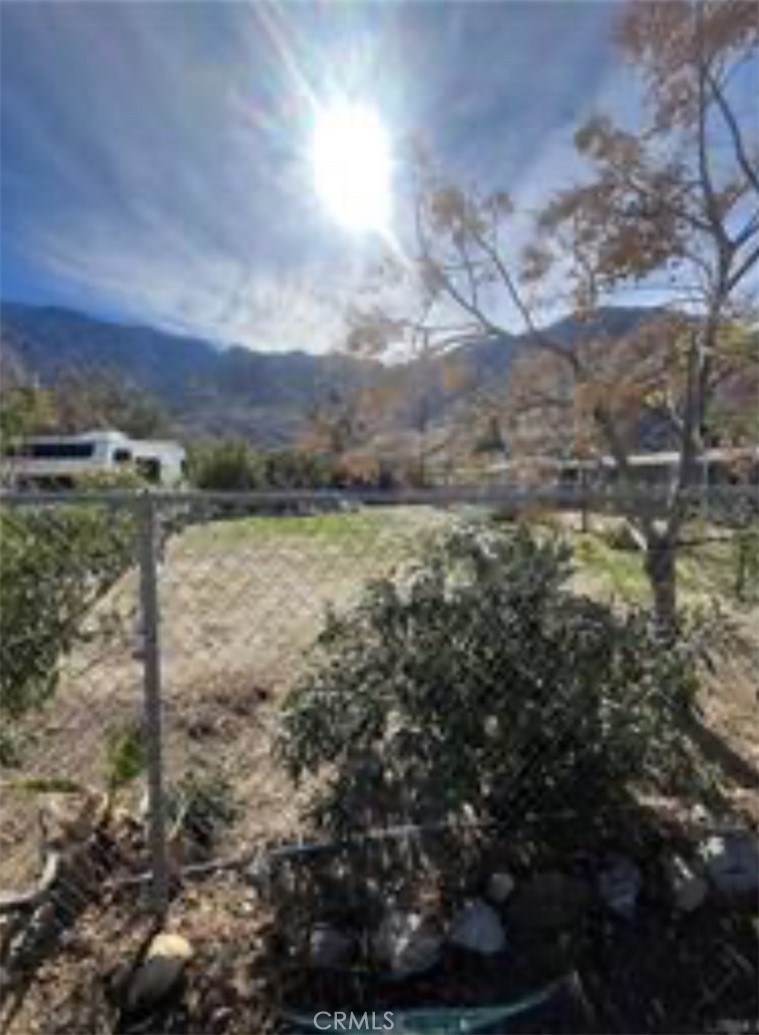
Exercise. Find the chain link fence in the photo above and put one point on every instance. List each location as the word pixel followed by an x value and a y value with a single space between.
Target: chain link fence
pixel 149 640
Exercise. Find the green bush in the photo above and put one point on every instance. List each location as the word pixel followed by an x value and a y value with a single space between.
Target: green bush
pixel 54 563
pixel 226 465
pixel 125 755
pixel 479 684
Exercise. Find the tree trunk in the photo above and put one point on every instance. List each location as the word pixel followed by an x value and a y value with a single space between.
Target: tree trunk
pixel 660 566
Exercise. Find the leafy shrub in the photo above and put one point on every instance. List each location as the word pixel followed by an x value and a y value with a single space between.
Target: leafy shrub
pixel 226 465
pixel 479 684
pixel 54 563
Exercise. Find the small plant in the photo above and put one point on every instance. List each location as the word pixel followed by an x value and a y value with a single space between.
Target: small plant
pixel 202 805
pixel 125 756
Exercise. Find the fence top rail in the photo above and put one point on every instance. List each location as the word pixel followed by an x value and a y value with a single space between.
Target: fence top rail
pixel 475 494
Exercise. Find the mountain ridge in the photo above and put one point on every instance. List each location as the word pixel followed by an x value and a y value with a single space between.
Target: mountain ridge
pixel 207 388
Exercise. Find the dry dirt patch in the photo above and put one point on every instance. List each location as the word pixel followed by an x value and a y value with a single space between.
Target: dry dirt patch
pixel 241 602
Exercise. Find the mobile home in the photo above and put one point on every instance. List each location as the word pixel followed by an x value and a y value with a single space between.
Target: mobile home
pixel 57 461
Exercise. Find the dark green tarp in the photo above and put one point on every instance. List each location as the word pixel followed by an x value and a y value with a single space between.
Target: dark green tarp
pixel 449 1020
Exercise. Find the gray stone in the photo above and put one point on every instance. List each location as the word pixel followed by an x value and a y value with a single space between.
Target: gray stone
pixel 619 886
pixel 154 982
pixel 408 942
pixel 500 885
pixel 159 976
pixel 687 888
pixel 329 947
pixel 478 928
pixel 731 862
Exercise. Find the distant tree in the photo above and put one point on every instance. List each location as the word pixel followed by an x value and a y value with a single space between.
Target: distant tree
pixel 24 410
pixel 334 422
pixel 76 401
pixel 86 399
pixel 411 393
pixel 301 469
pixel 225 465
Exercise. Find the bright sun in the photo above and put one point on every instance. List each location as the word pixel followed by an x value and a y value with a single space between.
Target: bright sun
pixel 351 163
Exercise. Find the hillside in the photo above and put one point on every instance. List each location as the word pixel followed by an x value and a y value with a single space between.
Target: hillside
pixel 265 395
pixel 204 389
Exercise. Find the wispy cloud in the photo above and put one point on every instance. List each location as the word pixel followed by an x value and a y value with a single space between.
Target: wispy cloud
pixel 154 154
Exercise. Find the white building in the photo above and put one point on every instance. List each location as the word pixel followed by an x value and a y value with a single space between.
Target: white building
pixel 58 460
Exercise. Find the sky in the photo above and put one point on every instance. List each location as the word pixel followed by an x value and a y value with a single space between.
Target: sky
pixel 154 157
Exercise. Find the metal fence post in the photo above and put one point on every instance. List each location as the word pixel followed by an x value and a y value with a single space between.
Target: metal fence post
pixel 147 540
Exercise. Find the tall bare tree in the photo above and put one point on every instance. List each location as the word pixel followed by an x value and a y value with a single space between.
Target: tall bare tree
pixel 673 204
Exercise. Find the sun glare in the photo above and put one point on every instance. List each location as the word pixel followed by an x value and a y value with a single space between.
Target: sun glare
pixel 351 165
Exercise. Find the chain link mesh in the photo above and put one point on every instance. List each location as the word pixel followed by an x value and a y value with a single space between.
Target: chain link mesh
pixel 244 586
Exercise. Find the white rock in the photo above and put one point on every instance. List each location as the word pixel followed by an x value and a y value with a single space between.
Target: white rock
pixel 478 927
pixel 408 942
pixel 329 947
pixel 732 862
pixel 500 886
pixel 170 945
pixel 688 888
pixel 619 886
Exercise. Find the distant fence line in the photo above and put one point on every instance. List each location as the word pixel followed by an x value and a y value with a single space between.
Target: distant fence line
pixel 558 495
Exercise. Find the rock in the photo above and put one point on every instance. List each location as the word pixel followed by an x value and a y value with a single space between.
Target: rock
pixel 547 901
pixel 170 945
pixel 500 885
pixel 408 942
pixel 157 979
pixel 731 862
pixel 153 984
pixel 478 928
pixel 687 888
pixel 329 947
pixel 619 886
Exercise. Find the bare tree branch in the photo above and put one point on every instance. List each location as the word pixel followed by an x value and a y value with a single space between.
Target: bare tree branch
pixel 750 172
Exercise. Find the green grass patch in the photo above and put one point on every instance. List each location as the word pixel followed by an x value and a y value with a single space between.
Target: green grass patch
pixel 619 571
pixel 708 568
pixel 333 527
pixel 361 530
pixel 703 570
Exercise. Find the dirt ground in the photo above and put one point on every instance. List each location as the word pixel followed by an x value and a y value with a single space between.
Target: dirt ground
pixel 241 603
